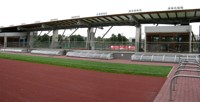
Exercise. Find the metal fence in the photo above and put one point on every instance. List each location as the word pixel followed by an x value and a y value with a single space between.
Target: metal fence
pixel 99 45
pixel 116 46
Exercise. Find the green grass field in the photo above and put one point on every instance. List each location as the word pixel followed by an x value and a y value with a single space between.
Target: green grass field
pixel 146 70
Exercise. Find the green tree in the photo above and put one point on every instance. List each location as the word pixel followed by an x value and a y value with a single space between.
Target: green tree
pixel 60 37
pixel 43 38
pixel 113 38
pixel 98 38
pixel 76 38
pixel 118 38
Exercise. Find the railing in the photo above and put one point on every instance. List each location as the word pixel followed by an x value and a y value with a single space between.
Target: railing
pixel 172 46
pixel 73 45
pixel 177 47
pixel 189 60
pixel 194 63
pixel 172 87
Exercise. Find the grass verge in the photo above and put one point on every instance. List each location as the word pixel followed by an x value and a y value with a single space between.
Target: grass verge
pixel 161 71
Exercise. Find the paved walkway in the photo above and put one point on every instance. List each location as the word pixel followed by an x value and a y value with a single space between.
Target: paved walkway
pixel 186 89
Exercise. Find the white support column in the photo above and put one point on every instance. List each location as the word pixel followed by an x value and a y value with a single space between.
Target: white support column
pixel 190 43
pixel 145 43
pixel 90 43
pixel 54 41
pixel 92 39
pixel 5 41
pixel 32 38
pixel 138 38
pixel 88 39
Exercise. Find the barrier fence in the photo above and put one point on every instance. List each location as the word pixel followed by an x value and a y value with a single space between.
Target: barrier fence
pixel 116 46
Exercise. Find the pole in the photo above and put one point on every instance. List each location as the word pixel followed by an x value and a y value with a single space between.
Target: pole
pixel 68 43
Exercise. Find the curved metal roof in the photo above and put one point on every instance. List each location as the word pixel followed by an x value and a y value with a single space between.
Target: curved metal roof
pixel 126 19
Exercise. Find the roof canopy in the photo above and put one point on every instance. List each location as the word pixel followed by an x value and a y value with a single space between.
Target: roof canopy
pixel 126 19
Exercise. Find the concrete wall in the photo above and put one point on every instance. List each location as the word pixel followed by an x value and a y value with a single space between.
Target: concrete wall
pixel 168 29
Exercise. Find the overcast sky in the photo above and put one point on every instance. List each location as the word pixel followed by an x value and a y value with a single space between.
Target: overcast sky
pixel 15 12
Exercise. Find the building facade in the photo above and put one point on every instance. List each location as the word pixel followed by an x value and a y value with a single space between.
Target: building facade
pixel 13 39
pixel 172 39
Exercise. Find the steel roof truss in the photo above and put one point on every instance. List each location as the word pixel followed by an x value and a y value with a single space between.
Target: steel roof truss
pixel 154 16
pixel 132 18
pixel 120 18
pixel 198 13
pixel 108 19
pixel 111 19
pixel 159 16
pixel 102 21
pixel 94 20
pixel 81 22
pixel 124 17
pixel 142 16
pixel 176 15
pixel 167 15
pixel 88 21
pixel 107 32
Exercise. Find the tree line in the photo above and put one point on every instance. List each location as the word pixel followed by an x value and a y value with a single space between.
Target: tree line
pixel 114 38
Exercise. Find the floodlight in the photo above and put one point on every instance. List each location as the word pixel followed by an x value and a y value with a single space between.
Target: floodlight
pixel 181 7
pixel 175 8
pixel 101 13
pixel 135 10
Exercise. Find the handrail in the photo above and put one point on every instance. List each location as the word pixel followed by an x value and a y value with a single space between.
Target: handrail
pixel 187 66
pixel 190 63
pixel 172 86
pixel 188 60
pixel 190 70
pixel 184 64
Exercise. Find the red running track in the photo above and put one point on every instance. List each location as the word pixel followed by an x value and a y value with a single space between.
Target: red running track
pixel 30 82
